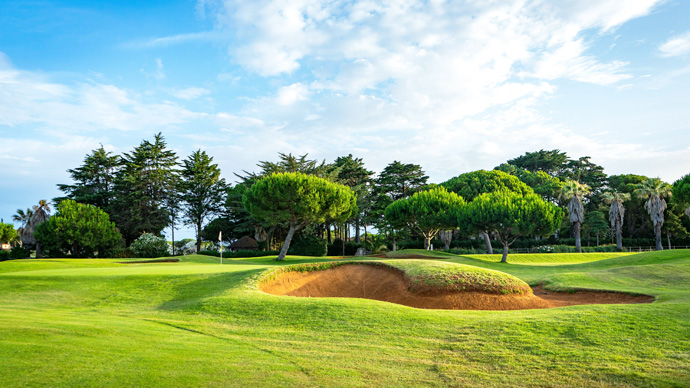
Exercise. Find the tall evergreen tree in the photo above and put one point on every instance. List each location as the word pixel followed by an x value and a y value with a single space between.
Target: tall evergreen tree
pixel 350 171
pixel 396 181
pixel 551 162
pixel 202 191
pixel 142 186
pixel 93 180
pixel 400 180
pixel 681 193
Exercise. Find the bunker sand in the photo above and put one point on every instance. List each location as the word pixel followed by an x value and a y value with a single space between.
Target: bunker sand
pixel 389 285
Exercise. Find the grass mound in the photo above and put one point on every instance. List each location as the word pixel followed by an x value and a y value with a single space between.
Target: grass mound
pixel 425 277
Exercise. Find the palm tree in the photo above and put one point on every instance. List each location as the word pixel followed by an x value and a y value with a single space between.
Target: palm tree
pixel 25 231
pixel 41 213
pixel 654 190
pixel 616 213
pixel 575 191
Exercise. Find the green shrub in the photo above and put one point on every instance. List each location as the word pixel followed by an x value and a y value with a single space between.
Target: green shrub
pixel 4 255
pixel 20 253
pixel 308 246
pixel 149 245
pixel 241 253
pixel 123 253
pixel 467 251
pixel 336 248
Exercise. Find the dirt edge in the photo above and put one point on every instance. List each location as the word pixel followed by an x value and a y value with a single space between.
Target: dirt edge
pixel 387 284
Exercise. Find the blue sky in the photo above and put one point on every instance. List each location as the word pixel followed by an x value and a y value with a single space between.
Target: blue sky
pixel 453 86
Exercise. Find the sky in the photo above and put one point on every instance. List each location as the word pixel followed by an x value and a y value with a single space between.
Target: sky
pixel 453 86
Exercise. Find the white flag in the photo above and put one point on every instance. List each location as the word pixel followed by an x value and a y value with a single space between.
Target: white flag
pixel 220 236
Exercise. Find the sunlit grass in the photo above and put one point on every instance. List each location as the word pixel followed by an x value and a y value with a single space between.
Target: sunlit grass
pixel 66 323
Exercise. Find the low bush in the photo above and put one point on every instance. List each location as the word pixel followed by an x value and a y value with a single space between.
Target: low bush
pixel 336 248
pixel 149 245
pixel 15 253
pixel 466 251
pixel 240 253
pixel 20 253
pixel 123 253
pixel 308 246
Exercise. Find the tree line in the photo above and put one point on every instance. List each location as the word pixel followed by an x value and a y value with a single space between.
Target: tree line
pixel 148 190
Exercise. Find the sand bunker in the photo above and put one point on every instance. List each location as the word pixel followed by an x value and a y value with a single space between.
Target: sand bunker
pixel 389 285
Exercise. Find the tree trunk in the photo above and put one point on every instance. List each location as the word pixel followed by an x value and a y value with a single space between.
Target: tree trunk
pixel 357 231
pixel 446 236
pixel 427 243
pixel 286 245
pixel 198 237
pixel 504 259
pixel 487 242
pixel 668 237
pixel 657 232
pixel 576 232
pixel 39 249
pixel 269 238
pixel 365 232
pixel 173 236
pixel 328 228
pixel 395 248
pixel 619 238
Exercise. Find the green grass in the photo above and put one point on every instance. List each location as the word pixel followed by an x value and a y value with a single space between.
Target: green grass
pixel 428 275
pixel 551 258
pixel 66 323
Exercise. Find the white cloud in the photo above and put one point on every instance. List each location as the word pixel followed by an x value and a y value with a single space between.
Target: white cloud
pixel 288 95
pixel 28 98
pixel 676 46
pixel 165 41
pixel 190 93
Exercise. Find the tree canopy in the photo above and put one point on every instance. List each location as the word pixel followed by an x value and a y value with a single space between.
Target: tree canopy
pixel 7 233
pixel 681 193
pixel 202 191
pixel 297 200
pixel 143 185
pixel 426 212
pixel 510 215
pixel 83 230
pixel 472 184
pixel 93 180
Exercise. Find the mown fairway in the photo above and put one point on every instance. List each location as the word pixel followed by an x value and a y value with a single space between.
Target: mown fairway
pixel 194 323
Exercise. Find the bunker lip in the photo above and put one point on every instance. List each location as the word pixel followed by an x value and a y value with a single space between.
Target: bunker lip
pixel 389 285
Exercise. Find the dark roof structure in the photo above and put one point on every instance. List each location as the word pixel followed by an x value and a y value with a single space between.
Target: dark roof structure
pixel 245 242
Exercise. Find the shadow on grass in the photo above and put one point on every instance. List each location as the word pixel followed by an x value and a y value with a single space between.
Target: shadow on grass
pixel 190 295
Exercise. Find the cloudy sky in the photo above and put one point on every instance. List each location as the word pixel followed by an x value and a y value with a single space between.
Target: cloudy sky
pixel 454 86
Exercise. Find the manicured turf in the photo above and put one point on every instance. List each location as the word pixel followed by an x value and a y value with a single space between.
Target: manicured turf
pixel 99 323
pixel 551 258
